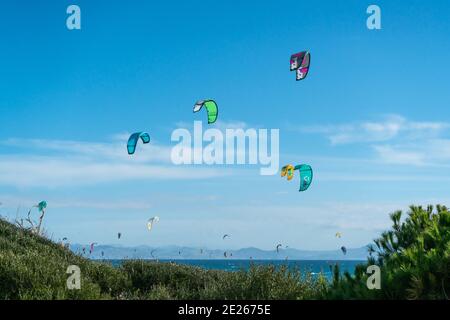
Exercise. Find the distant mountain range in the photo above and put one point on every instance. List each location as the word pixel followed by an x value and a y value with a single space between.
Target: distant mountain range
pixel 176 252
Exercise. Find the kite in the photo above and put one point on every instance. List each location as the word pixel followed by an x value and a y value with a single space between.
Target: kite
pixel 151 222
pixel 211 109
pixel 64 239
pixel 41 206
pixel 306 174
pixel 344 250
pixel 119 235
pixel 288 171
pixel 300 63
pixel 151 253
pixel 133 140
pixel 92 247
pixel 225 254
pixel 278 247
pixel 338 234
pixel 224 236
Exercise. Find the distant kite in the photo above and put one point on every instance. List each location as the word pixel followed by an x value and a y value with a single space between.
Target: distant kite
pixel 119 235
pixel 92 247
pixel 338 234
pixel 278 247
pixel 225 236
pixel 41 206
pixel 344 250
pixel 300 63
pixel 151 222
pixel 211 109
pixel 133 140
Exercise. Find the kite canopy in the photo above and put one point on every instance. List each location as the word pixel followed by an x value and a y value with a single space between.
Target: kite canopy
pixel 278 247
pixel 41 206
pixel 92 247
pixel 306 176
pixel 288 171
pixel 211 109
pixel 151 222
pixel 119 235
pixel 151 253
pixel 300 62
pixel 338 234
pixel 224 236
pixel 133 140
pixel 344 250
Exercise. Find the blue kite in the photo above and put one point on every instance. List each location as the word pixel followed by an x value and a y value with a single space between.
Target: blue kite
pixel 134 138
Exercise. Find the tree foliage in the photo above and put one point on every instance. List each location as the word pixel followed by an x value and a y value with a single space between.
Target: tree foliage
pixel 414 257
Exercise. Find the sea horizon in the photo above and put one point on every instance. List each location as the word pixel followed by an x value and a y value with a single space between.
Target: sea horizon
pixel 313 267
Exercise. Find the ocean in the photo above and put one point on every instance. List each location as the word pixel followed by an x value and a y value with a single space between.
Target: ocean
pixel 315 267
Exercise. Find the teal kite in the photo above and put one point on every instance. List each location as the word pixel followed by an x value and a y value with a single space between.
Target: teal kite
pixel 133 140
pixel 41 206
pixel 306 174
pixel 211 109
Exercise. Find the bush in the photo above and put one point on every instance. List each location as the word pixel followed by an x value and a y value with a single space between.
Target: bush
pixel 414 257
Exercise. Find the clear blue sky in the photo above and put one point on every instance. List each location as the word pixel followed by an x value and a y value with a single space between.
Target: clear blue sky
pixel 372 117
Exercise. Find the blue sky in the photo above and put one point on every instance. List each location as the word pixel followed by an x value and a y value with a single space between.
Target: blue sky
pixel 371 118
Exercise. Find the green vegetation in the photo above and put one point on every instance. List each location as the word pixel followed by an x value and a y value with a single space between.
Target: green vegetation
pixel 414 257
pixel 33 267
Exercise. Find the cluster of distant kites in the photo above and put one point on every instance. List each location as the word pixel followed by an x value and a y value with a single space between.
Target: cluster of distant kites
pixel 300 63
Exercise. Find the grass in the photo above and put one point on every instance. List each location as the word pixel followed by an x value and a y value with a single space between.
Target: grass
pixel 33 267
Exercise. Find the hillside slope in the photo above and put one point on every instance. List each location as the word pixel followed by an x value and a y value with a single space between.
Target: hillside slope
pixel 32 267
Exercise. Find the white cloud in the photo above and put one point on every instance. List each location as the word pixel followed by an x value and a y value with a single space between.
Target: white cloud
pixel 26 202
pixel 114 151
pixel 394 140
pixel 427 152
pixel 55 163
pixel 391 127
pixel 56 172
